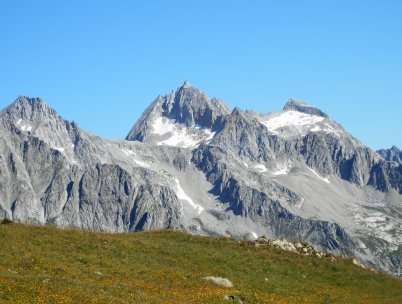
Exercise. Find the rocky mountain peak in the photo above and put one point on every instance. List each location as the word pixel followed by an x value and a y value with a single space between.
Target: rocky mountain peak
pixel 301 106
pixel 29 108
pixel 34 118
pixel 236 112
pixel 190 106
pixel 186 107
pixel 186 84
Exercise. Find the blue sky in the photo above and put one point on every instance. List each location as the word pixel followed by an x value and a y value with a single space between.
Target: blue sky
pixel 101 63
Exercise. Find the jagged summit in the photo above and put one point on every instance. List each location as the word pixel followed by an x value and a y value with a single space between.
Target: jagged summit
pixel 301 106
pixel 28 105
pixel 189 105
pixel 393 154
pixel 32 117
pixel 28 112
pixel 237 111
pixel 24 98
pixel 186 84
pixel 27 101
pixel 293 102
pixel 186 116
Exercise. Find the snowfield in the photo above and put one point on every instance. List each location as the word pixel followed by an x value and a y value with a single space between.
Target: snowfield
pixel 291 118
pixel 298 123
pixel 179 135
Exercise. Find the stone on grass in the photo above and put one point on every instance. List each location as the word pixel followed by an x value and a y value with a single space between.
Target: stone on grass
pixel 223 282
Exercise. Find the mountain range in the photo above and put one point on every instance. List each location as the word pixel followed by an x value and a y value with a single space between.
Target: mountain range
pixel 192 163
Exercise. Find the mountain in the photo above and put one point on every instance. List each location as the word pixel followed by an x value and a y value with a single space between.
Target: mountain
pixel 54 172
pixel 191 163
pixel 393 154
pixel 184 118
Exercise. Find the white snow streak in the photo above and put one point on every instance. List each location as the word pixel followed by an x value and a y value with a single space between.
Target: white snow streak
pixel 210 135
pixel 182 195
pixel 326 180
pixel 255 235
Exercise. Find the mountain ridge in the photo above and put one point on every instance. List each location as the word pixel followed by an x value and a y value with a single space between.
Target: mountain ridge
pixel 190 163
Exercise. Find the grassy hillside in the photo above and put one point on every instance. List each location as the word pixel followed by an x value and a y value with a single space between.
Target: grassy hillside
pixel 48 265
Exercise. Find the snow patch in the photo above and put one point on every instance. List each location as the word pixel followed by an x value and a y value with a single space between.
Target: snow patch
pixel 182 195
pixel 284 169
pixel 297 122
pixel 23 126
pixel 26 128
pixel 180 138
pixel 162 126
pixel 210 135
pixel 60 149
pixel 255 235
pixel 180 135
pixel 324 179
pixel 316 129
pixel 260 168
pixel 137 161
pixel 291 118
pixel 141 163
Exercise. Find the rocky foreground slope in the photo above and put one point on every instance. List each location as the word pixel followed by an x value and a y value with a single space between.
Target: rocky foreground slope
pixel 191 163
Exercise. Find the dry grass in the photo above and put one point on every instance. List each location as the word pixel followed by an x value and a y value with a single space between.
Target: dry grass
pixel 48 265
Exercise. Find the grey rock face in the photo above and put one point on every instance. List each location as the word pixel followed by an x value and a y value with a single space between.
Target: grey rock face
pixel 253 203
pixel 329 154
pixel 189 163
pixel 393 154
pixel 53 172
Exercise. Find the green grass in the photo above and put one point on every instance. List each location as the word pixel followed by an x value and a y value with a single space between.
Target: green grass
pixel 49 265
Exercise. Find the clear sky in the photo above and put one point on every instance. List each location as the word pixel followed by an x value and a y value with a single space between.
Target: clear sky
pixel 101 63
